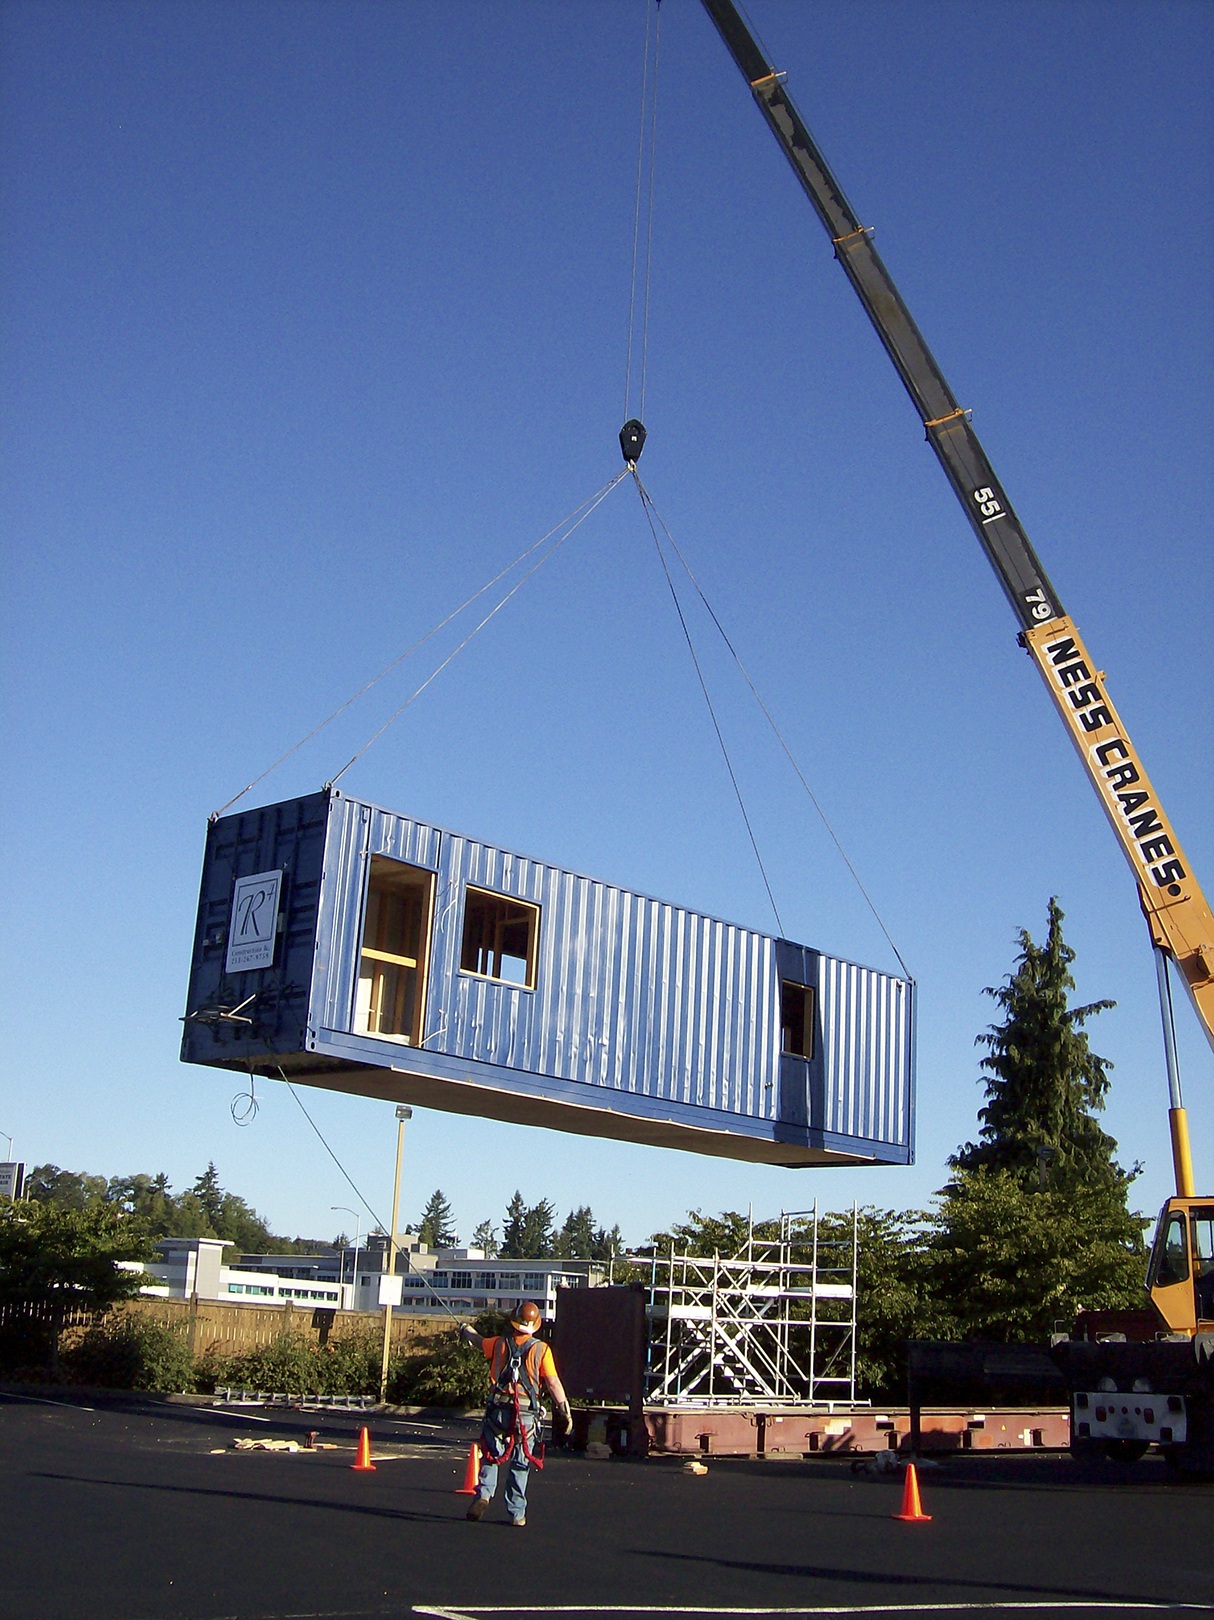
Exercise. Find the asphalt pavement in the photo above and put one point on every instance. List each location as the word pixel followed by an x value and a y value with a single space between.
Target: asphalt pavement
pixel 128 1510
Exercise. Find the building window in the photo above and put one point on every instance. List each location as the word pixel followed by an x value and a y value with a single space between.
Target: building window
pixel 500 938
pixel 461 1279
pixel 797 1019
pixel 392 968
pixel 535 1282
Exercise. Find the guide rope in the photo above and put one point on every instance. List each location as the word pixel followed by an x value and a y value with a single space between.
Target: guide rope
pixel 567 523
pixel 644 199
pixel 357 1191
pixel 655 515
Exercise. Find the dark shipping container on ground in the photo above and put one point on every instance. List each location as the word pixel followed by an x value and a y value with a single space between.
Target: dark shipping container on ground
pixel 349 947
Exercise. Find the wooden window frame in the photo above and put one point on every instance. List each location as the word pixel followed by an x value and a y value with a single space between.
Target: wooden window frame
pixel 479 947
pixel 370 1009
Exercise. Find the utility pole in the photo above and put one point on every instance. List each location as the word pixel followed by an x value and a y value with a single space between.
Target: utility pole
pixel 403 1113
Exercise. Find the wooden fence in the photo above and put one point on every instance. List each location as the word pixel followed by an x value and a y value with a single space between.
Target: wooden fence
pixel 233 1329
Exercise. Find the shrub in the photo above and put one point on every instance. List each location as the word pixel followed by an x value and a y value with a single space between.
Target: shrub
pixel 130 1351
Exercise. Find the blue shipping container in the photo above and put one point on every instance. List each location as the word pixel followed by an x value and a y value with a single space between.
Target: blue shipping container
pixel 345 946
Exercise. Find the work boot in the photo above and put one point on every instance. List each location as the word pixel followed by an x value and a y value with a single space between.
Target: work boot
pixel 477 1508
pixel 518 1524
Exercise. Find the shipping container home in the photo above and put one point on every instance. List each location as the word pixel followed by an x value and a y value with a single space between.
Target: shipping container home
pixel 345 946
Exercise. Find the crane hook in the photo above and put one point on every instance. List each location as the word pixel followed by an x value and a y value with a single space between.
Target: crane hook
pixel 632 440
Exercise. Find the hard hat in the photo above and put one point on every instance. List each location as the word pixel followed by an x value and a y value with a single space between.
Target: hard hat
pixel 527 1318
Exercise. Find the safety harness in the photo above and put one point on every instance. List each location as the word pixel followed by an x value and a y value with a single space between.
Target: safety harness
pixel 515 1369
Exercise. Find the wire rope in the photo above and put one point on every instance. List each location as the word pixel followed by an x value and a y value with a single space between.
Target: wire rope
pixel 573 518
pixel 454 653
pixel 769 717
pixel 678 607
pixel 643 200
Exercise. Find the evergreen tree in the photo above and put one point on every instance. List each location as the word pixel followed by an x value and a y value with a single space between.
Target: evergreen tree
pixel 575 1240
pixel 514 1229
pixel 209 1194
pixel 1043 1082
pixel 537 1231
pixel 607 1245
pixel 243 1227
pixel 485 1238
pixel 437 1225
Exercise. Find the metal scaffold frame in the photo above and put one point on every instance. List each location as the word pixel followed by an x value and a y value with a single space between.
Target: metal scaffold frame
pixel 775 1323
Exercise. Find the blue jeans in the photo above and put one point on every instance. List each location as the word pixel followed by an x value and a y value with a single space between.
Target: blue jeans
pixel 493 1443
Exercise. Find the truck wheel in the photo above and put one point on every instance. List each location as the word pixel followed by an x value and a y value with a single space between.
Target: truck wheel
pixel 1126 1451
pixel 1087 1450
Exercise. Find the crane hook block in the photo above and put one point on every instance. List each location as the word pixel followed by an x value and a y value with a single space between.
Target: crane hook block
pixel 632 440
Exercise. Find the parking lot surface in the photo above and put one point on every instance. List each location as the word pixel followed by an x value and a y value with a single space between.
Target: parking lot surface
pixel 130 1510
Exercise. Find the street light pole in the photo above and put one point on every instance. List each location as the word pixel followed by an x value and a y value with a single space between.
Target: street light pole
pixel 358 1224
pixel 403 1112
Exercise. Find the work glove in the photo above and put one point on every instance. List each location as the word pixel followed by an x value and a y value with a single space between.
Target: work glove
pixel 562 1423
pixel 469 1335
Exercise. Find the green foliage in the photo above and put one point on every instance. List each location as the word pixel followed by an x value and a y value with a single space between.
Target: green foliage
pixel 894 1301
pixel 575 1240
pixel 65 1257
pixel 132 1351
pixel 1043 1082
pixel 437 1225
pixel 527 1233
pixel 296 1363
pixel 1008 1263
pixel 56 1260
pixel 485 1239
pixel 726 1234
pixel 48 1184
pixel 206 1210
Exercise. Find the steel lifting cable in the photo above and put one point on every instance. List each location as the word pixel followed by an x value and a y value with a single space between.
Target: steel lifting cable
pixel 517 586
pixel 650 515
pixel 644 196
pixel 655 516
pixel 567 523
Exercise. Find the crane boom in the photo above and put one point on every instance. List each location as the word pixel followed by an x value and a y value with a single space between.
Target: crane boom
pixel 1177 911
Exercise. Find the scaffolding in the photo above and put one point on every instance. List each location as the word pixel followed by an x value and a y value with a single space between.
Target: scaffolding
pixel 774 1323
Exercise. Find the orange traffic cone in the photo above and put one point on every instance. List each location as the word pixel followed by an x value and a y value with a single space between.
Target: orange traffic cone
pixel 363 1463
pixel 472 1473
pixel 912 1513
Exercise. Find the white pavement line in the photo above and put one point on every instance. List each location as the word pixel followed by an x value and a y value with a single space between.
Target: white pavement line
pixel 1045 1605
pixel 39 1400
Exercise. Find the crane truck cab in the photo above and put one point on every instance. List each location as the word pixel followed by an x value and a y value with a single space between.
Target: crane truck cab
pixel 1180 1276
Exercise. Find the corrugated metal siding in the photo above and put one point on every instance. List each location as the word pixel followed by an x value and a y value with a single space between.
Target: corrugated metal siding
pixel 631 994
pixel 867 1048
pixel 634 998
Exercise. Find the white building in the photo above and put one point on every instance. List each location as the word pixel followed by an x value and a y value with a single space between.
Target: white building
pixel 433 1282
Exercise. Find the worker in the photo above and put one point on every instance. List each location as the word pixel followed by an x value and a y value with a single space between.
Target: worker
pixel 520 1365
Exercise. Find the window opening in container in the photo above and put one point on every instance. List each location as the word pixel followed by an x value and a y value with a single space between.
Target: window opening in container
pixel 500 938
pixel 796 1019
pixel 395 951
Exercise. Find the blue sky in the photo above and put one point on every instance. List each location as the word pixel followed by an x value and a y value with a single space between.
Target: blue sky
pixel 315 315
